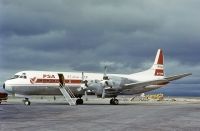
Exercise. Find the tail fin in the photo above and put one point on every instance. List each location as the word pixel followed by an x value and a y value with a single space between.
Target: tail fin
pixel 156 71
pixel 158 65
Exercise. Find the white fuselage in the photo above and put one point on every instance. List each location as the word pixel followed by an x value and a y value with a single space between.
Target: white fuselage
pixel 47 83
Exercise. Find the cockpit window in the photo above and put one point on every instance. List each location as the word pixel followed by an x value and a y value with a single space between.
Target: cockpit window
pixel 20 76
pixel 23 75
pixel 15 76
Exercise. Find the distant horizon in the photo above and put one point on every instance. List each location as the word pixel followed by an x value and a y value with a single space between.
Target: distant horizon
pixel 192 90
pixel 179 90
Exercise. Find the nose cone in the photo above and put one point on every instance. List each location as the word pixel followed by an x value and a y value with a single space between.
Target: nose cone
pixel 6 86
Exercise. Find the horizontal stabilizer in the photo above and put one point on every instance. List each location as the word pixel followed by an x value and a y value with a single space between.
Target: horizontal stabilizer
pixel 176 77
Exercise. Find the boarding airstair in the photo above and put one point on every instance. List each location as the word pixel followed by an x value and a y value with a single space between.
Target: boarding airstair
pixel 67 93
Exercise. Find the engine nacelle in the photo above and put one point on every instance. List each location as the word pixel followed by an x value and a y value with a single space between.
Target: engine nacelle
pixel 99 86
pixel 109 93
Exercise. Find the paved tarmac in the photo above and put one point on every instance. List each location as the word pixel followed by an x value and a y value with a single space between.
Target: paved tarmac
pixel 94 116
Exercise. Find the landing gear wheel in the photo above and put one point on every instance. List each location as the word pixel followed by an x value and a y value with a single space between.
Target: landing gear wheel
pixel 111 101
pixel 79 101
pixel 114 101
pixel 26 102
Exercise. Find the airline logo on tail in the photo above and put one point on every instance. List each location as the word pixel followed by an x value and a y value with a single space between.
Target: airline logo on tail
pixel 159 64
pixel 159 72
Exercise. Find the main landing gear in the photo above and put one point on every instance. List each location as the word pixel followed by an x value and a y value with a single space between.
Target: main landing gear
pixel 26 102
pixel 114 101
pixel 79 101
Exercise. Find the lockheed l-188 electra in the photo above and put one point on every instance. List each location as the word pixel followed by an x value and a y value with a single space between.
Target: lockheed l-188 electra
pixel 76 84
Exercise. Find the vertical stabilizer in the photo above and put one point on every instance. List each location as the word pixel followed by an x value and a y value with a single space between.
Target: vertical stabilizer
pixel 158 65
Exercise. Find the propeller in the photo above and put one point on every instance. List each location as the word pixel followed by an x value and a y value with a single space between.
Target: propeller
pixel 106 82
pixel 84 84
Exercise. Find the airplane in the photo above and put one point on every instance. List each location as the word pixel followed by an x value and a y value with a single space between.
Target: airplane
pixel 76 84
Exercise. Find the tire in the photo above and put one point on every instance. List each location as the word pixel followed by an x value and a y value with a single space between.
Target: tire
pixel 79 101
pixel 27 103
pixel 115 102
pixel 111 101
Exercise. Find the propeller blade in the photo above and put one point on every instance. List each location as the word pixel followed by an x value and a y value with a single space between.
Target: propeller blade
pixel 82 79
pixel 83 85
pixel 103 93
pixel 86 96
pixel 105 77
pixel 105 70
pixel 106 82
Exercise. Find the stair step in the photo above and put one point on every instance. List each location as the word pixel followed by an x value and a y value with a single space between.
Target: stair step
pixel 67 94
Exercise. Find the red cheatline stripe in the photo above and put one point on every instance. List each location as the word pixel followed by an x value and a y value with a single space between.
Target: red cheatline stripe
pixel 57 81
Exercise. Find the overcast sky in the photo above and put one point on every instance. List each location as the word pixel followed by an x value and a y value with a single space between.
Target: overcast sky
pixel 84 35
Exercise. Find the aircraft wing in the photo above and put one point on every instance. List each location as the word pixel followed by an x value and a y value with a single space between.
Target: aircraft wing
pixel 175 77
pixel 145 83
pixel 156 82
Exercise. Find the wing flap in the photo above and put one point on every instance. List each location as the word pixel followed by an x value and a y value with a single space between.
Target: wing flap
pixel 145 83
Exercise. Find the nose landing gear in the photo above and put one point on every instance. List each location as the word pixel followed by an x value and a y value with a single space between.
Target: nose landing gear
pixel 79 101
pixel 26 102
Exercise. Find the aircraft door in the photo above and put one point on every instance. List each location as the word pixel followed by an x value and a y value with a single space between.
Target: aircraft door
pixel 61 80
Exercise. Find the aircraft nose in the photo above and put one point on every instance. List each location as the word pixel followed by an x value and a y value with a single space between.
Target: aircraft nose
pixel 4 86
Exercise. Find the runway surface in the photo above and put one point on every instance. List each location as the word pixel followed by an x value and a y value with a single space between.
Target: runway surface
pixel 182 115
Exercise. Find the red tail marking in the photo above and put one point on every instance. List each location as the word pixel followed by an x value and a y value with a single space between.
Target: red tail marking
pixel 160 58
pixel 159 72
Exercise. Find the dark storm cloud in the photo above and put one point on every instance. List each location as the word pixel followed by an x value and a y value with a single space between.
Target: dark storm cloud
pixel 81 35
